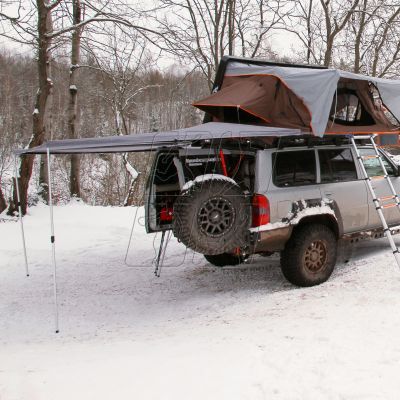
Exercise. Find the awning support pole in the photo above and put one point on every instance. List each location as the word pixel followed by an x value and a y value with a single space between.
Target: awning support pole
pixel 20 216
pixel 131 235
pixel 161 252
pixel 53 246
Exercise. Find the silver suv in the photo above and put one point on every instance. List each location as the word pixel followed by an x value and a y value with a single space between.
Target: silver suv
pixel 297 196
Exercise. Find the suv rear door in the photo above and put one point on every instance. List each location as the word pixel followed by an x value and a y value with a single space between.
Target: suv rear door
pixel 339 181
pixel 294 178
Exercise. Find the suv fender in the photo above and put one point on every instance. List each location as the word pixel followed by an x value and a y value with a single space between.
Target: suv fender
pixel 304 212
pixel 316 211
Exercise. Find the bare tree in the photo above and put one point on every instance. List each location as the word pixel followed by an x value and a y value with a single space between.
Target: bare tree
pixel 360 20
pixel 22 24
pixel 73 95
pixel 304 23
pixel 122 62
pixel 373 36
pixel 31 23
pixel 386 43
pixel 202 31
pixel 18 92
pixel 318 24
pixel 336 17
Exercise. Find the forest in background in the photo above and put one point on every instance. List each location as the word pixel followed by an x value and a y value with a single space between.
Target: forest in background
pixel 163 102
pixel 99 68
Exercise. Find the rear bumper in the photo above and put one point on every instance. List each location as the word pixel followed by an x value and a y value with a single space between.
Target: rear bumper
pixel 271 240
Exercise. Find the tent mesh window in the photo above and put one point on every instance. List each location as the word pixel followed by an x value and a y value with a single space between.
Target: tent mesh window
pixel 379 105
pixel 348 109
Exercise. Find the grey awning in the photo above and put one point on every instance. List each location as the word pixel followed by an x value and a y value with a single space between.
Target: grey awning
pixel 215 131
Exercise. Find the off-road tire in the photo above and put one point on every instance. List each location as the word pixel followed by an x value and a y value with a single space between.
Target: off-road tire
pixel 309 256
pixel 212 217
pixel 225 259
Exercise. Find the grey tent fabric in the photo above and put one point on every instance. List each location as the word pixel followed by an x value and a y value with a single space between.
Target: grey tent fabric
pixel 215 131
pixel 316 87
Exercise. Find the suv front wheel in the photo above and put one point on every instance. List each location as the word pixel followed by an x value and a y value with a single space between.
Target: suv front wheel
pixel 309 256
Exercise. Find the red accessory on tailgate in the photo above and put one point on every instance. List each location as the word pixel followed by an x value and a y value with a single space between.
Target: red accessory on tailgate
pixel 166 214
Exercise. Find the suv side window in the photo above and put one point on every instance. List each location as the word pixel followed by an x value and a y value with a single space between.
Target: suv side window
pixel 337 165
pixel 373 166
pixel 294 168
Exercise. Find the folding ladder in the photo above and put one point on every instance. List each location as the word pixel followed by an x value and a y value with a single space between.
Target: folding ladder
pixel 377 200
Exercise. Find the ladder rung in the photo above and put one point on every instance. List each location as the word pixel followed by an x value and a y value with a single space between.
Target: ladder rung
pixel 389 205
pixel 369 157
pixel 363 137
pixel 386 198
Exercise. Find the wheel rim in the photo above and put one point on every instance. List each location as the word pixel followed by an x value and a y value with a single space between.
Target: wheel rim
pixel 315 256
pixel 216 216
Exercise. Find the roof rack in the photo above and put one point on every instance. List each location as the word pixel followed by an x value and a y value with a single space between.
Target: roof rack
pixel 258 143
pixel 311 141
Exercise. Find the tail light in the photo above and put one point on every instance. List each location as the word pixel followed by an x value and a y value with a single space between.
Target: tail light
pixel 260 210
pixel 166 214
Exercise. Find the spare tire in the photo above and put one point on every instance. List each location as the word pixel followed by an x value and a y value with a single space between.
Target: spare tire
pixel 212 217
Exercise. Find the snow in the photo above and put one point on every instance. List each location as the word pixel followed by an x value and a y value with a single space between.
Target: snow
pixel 395 159
pixel 207 177
pixel 322 209
pixel 270 226
pixel 73 87
pixel 293 219
pixel 35 111
pixel 132 171
pixel 196 332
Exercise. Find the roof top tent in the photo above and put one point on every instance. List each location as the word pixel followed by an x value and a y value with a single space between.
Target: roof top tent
pixel 316 100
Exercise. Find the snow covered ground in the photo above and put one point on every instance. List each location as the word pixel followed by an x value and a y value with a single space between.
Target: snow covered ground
pixel 197 332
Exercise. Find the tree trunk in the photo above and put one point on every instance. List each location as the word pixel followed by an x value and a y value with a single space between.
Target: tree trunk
pixel 3 204
pixel 309 32
pixel 47 120
pixel 39 129
pixel 44 179
pixel 328 52
pixel 231 26
pixel 75 187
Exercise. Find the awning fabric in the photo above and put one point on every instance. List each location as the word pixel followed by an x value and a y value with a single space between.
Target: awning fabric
pixel 215 131
pixel 316 87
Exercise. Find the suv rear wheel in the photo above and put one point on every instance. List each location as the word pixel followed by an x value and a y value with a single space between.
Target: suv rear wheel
pixel 309 256
pixel 212 217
